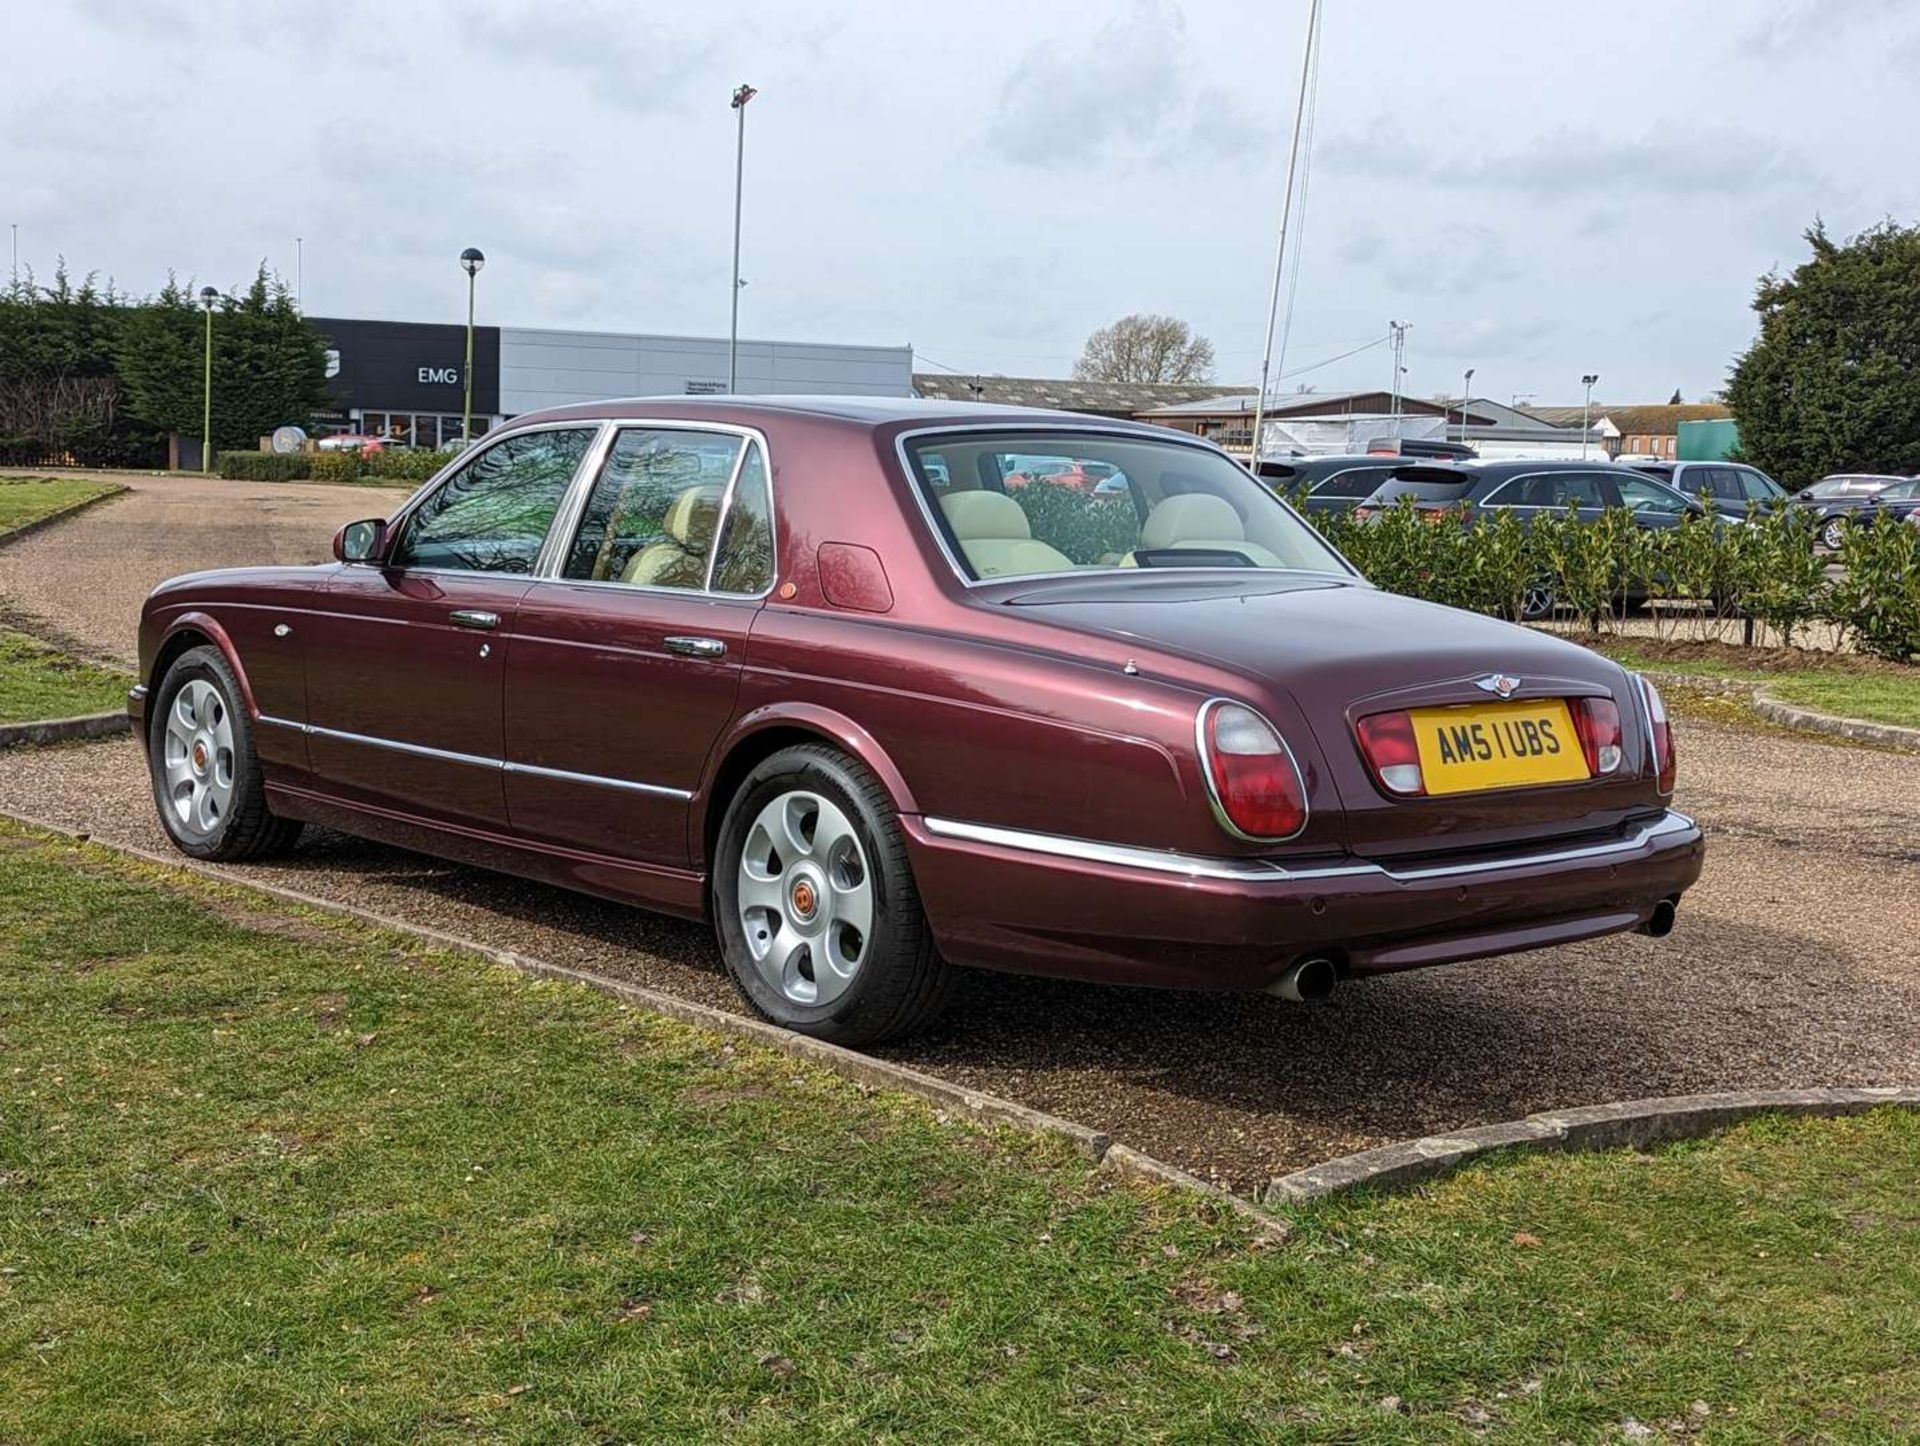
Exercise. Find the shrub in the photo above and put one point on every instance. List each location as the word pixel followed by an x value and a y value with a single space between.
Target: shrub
pixel 334 466
pixel 1878 600
pixel 1085 526
pixel 403 466
pixel 264 466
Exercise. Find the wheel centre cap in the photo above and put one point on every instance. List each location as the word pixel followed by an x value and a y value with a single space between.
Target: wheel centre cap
pixel 199 755
pixel 805 899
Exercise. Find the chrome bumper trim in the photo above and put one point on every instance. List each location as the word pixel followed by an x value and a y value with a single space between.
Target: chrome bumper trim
pixel 1196 866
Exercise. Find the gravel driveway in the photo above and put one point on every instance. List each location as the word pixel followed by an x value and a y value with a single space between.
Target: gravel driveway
pixel 1793 963
pixel 81 583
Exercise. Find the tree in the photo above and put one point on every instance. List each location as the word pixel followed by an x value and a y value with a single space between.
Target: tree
pixel 1145 347
pixel 1832 382
pixel 269 364
pixel 59 397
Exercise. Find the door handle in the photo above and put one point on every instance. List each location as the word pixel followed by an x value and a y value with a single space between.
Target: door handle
pixel 697 647
pixel 475 618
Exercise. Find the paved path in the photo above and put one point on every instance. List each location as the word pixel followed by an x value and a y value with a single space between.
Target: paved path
pixel 82 582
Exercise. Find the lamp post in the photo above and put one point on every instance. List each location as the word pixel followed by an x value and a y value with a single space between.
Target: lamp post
pixel 1586 411
pixel 470 261
pixel 741 95
pixel 1466 391
pixel 208 297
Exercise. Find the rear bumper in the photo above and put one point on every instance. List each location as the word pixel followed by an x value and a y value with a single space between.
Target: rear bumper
pixel 1037 903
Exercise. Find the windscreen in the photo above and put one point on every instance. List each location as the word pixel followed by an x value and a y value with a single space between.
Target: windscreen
pixel 1023 504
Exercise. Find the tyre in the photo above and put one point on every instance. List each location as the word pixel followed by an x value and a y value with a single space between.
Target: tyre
pixel 815 906
pixel 1833 532
pixel 1538 601
pixel 206 775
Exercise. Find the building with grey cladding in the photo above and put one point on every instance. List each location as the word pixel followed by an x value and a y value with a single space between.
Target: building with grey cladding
pixel 404 380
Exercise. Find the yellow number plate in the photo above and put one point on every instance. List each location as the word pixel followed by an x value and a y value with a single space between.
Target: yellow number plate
pixel 1502 745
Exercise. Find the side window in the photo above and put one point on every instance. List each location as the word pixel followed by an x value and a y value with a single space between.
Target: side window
pixel 493 514
pixel 1640 496
pixel 744 563
pixel 650 519
pixel 1586 489
pixel 1355 482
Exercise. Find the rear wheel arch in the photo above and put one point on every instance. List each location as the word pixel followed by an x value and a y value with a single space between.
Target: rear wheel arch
pixel 759 735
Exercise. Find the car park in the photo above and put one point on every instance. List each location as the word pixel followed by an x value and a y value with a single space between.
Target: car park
pixel 1587 490
pixel 1731 489
pixel 1833 501
pixel 750 661
pixel 1329 484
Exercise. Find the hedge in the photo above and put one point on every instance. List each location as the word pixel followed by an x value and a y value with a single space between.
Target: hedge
pixel 1766 570
pixel 331 466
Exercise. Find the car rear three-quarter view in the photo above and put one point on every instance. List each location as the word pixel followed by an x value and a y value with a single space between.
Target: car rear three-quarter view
pixel 884 689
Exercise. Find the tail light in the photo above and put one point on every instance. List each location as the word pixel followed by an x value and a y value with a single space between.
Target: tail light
pixel 1252 778
pixel 1664 763
pixel 1597 721
pixel 1391 752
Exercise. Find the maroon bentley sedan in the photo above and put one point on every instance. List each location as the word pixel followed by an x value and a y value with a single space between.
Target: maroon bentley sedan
pixel 812 669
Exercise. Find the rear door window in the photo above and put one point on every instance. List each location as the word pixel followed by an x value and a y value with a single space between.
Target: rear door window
pixel 1355 482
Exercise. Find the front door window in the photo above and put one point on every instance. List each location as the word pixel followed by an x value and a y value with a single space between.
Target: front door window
pixel 493 514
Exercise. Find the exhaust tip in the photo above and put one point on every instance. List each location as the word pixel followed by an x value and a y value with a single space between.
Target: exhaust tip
pixel 1310 981
pixel 1660 922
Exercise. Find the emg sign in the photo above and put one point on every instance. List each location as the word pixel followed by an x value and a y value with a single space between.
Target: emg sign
pixel 448 376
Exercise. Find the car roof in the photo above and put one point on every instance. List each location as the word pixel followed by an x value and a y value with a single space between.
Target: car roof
pixel 858 411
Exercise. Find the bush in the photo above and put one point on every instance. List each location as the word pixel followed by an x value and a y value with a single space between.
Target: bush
pixel 403 466
pixel 1878 600
pixel 264 466
pixel 334 466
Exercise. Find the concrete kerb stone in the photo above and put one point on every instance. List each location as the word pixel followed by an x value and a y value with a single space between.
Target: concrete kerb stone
pixel 1625 1124
pixel 1791 715
pixel 38 524
pixel 62 730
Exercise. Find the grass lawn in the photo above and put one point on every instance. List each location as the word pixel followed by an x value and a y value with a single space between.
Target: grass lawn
pixel 28 499
pixel 1882 693
pixel 38 681
pixel 268 1177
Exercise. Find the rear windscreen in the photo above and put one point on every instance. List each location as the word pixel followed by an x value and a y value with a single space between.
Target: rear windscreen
pixel 1419 489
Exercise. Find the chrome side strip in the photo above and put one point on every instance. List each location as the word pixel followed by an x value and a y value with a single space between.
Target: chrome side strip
pixel 1197 866
pixel 474 760
pixel 657 790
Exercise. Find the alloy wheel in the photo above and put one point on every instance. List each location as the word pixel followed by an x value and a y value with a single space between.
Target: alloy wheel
pixel 805 897
pixel 198 759
pixel 1834 534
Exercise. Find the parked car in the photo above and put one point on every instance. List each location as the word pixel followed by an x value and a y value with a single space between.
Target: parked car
pixel 1075 472
pixel 1333 484
pixel 1729 488
pixel 741 659
pixel 1833 501
pixel 1530 488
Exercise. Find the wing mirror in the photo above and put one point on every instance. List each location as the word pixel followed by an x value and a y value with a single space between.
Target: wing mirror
pixel 361 541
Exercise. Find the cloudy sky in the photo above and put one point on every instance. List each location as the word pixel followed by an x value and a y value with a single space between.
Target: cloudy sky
pixel 1540 189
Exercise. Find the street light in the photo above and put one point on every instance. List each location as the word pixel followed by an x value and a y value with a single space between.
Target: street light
pixel 470 261
pixel 208 297
pixel 741 95
pixel 1466 390
pixel 1586 411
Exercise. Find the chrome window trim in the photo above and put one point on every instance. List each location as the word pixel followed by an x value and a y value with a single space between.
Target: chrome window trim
pixel 475 760
pixel 467 455
pixel 1122 434
pixel 1196 866
pixel 574 508
pixel 1205 755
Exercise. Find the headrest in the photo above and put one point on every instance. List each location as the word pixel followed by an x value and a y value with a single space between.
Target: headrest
pixel 1191 517
pixel 979 514
pixel 690 518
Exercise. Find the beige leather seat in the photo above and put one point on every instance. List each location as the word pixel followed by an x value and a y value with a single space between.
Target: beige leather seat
pixel 1200 520
pixel 993 533
pixel 680 561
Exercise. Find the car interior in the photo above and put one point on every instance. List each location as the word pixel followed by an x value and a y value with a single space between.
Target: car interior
pixel 1162 505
